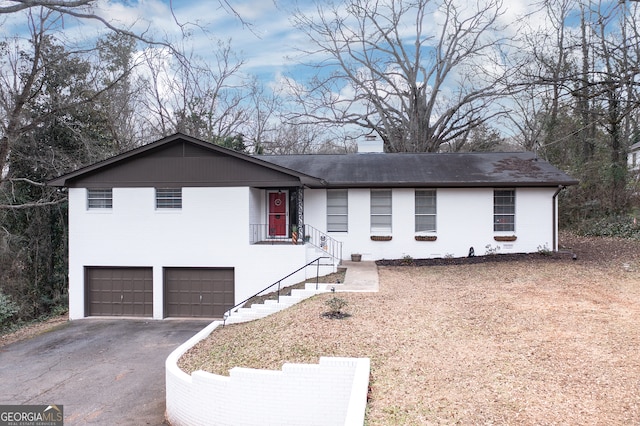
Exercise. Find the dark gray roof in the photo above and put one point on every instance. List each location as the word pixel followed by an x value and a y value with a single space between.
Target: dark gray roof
pixel 426 169
pixel 187 161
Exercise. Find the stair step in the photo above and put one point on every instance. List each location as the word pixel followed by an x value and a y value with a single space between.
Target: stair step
pixel 291 300
pixel 321 286
pixel 259 307
pixel 261 310
pixel 303 294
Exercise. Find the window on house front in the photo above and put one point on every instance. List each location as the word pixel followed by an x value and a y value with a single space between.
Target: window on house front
pixel 504 210
pixel 168 198
pixel 337 210
pixel 99 198
pixel 425 210
pixel 381 210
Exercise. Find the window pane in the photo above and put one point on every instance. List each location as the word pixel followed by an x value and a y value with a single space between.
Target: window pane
pixel 337 210
pixel 504 223
pixel 504 209
pixel 337 223
pixel 425 210
pixel 99 198
pixel 425 223
pixel 337 198
pixel 383 222
pixel 381 202
pixel 381 211
pixel 504 197
pixel 169 198
pixel 426 202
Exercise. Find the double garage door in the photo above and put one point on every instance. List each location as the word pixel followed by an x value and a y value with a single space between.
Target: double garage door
pixel 188 292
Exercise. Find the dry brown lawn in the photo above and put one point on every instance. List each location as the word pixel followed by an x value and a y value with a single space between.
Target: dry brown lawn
pixel 535 341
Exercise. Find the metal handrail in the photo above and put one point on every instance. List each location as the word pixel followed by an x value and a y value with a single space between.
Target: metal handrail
pixel 262 233
pixel 323 241
pixel 237 306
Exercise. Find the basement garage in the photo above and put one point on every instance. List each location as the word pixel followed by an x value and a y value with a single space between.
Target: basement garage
pixel 115 291
pixel 198 292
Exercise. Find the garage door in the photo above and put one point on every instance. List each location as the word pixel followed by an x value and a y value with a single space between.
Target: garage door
pixel 119 291
pixel 198 292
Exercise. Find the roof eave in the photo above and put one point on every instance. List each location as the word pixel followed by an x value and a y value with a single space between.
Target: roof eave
pixel 509 184
pixel 62 181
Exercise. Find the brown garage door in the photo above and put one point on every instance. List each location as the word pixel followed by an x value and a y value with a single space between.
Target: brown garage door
pixel 119 291
pixel 198 292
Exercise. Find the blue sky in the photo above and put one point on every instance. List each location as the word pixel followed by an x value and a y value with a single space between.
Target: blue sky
pixel 264 38
pixel 268 44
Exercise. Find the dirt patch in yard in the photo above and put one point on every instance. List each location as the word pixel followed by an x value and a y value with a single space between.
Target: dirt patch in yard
pixel 536 340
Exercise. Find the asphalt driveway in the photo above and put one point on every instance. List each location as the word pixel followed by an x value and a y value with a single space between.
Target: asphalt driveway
pixel 104 372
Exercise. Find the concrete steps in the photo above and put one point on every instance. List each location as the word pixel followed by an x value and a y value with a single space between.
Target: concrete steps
pixel 261 310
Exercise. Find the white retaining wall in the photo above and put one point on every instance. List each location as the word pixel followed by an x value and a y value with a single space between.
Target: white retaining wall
pixel 333 392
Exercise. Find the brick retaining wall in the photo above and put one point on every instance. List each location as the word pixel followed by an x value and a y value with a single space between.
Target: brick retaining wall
pixel 333 392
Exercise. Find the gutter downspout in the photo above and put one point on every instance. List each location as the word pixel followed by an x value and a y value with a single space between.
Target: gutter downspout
pixel 554 207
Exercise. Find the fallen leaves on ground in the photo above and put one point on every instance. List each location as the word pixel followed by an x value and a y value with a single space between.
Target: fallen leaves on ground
pixel 533 341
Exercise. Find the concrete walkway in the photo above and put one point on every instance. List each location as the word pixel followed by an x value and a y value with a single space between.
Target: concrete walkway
pixel 360 277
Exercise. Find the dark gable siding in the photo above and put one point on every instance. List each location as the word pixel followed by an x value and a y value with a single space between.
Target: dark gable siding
pixel 183 164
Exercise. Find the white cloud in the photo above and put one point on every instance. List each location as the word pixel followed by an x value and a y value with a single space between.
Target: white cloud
pixel 268 44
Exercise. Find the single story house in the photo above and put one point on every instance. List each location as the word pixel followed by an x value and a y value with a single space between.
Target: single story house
pixel 185 228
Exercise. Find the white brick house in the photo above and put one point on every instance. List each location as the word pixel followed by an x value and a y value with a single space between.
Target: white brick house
pixel 182 227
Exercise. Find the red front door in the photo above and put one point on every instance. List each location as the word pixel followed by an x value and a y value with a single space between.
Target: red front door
pixel 277 214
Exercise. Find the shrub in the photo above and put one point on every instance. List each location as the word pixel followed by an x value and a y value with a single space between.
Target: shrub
pixel 622 226
pixel 544 250
pixel 8 309
pixel 407 260
pixel 490 250
pixel 336 305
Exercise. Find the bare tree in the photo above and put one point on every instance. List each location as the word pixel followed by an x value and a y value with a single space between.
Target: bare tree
pixel 25 88
pixel 580 103
pixel 384 68
pixel 546 78
pixel 196 98
pixel 616 86
pixel 293 138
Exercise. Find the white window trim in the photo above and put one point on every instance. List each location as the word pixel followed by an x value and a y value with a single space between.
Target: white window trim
pixel 380 230
pixel 345 214
pixel 416 214
pixel 167 208
pixel 109 198
pixel 503 232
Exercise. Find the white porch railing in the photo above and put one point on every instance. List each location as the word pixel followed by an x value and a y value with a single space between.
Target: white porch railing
pixel 324 242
